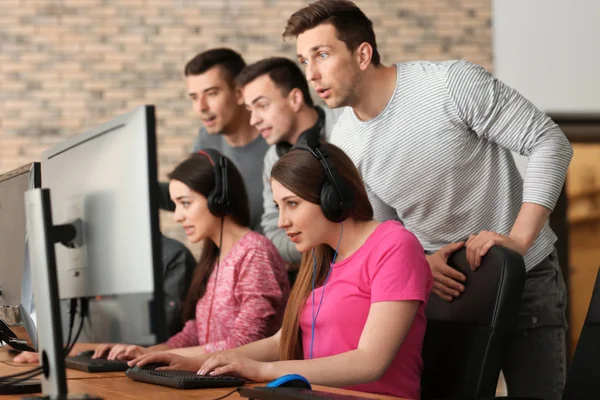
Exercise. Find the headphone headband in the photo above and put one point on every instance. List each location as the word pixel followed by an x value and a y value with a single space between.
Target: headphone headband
pixel 336 197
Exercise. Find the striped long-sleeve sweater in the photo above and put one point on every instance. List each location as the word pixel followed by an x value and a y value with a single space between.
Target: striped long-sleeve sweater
pixel 438 156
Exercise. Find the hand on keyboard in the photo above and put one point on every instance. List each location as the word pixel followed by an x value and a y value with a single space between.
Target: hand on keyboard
pixel 233 364
pixel 27 357
pixel 169 360
pixel 123 352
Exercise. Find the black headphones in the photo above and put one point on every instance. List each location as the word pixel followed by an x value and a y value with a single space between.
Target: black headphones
pixel 218 198
pixel 336 197
pixel 314 131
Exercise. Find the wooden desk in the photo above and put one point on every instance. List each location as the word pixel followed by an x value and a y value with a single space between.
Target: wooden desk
pixel 127 389
pixel 115 385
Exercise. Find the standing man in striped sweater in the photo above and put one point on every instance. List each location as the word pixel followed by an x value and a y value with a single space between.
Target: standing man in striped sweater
pixel 432 141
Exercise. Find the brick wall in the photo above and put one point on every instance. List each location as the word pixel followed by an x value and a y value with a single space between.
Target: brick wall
pixel 69 64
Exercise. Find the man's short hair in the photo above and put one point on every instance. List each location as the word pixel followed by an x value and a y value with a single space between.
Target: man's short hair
pixel 352 25
pixel 282 71
pixel 230 62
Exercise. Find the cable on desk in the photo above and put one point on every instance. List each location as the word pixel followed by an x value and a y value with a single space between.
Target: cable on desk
pixel 228 394
pixel 8 379
pixel 15 365
pixel 22 379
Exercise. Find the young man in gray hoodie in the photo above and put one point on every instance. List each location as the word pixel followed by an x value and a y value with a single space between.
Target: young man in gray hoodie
pixel 210 80
pixel 276 93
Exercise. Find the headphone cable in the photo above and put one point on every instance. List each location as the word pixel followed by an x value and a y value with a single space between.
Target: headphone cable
pixel 312 333
pixel 216 280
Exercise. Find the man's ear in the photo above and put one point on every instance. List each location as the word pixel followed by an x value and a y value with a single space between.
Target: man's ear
pixel 364 53
pixel 296 99
pixel 239 95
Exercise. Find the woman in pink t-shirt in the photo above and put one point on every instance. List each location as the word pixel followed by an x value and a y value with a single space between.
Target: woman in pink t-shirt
pixel 240 286
pixel 355 317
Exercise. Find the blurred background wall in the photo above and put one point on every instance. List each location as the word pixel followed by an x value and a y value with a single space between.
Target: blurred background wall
pixel 66 65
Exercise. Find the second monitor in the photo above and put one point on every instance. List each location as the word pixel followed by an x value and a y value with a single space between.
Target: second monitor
pixel 17 327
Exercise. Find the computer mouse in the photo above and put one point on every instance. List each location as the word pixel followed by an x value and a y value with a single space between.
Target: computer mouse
pixel 86 353
pixel 291 381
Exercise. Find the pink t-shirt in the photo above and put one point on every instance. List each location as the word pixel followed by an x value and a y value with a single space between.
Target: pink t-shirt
pixel 390 266
pixel 248 301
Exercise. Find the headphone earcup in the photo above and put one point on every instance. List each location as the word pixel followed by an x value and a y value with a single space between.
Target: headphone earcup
pixel 331 204
pixel 214 206
pixel 218 202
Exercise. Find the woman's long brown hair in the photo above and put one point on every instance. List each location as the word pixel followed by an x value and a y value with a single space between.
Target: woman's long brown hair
pixel 301 173
pixel 196 172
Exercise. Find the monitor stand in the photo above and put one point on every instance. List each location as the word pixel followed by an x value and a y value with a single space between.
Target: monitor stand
pixel 42 237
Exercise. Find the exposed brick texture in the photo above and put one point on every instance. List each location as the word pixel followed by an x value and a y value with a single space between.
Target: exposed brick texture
pixel 69 64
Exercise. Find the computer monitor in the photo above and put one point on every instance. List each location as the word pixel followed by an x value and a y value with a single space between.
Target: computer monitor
pixel 100 203
pixel 104 181
pixel 17 327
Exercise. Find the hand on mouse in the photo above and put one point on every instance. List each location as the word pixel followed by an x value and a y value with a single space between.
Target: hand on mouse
pixel 171 361
pixel 27 357
pixel 119 351
pixel 231 363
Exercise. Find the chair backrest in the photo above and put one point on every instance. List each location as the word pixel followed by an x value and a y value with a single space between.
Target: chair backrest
pixel 583 376
pixel 465 339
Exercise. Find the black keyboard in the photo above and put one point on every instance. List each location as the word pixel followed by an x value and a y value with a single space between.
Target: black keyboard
pixel 283 393
pixel 88 364
pixel 182 379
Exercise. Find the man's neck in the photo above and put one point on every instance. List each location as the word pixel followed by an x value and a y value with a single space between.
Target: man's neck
pixel 377 88
pixel 241 133
pixel 306 119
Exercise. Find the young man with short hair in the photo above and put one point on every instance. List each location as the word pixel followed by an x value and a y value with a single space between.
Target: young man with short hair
pixel 276 93
pixel 210 78
pixel 432 141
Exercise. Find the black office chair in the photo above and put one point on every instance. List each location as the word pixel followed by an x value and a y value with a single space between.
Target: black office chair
pixel 465 339
pixel 583 377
